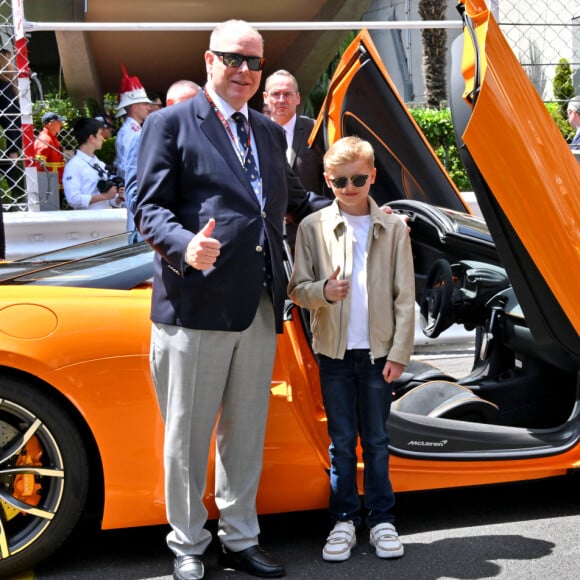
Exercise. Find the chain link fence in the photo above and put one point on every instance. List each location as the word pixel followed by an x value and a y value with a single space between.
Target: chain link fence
pixel 12 180
pixel 540 33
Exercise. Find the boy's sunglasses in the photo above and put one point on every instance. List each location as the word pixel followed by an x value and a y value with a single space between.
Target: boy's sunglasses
pixel 235 60
pixel 356 180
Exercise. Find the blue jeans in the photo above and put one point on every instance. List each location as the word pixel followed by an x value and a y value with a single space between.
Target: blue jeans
pixel 357 400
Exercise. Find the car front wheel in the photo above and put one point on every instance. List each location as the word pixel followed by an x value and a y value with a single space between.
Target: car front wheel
pixel 44 475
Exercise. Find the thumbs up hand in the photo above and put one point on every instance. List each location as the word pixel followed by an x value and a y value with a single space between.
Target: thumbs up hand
pixel 203 250
pixel 334 275
pixel 336 290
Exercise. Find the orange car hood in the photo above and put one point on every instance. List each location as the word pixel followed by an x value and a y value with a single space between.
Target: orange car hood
pixel 524 176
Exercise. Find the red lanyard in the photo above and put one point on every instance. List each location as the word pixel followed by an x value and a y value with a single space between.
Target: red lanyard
pixel 228 128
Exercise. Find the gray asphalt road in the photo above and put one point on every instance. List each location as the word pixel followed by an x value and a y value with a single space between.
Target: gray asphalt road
pixel 517 531
pixel 455 359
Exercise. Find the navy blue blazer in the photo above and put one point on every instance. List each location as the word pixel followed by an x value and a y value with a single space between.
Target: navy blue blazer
pixel 188 172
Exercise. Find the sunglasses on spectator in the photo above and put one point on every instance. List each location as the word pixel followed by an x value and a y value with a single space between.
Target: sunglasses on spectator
pixel 356 180
pixel 235 60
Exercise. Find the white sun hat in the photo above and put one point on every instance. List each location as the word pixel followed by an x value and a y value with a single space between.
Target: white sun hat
pixel 132 91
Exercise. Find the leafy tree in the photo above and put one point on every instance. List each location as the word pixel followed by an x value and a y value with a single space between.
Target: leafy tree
pixel 561 120
pixel 563 85
pixel 63 106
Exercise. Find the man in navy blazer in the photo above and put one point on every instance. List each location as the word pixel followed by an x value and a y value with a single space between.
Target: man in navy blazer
pixel 212 205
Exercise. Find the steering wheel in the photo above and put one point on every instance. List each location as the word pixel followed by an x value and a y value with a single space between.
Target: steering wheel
pixel 437 300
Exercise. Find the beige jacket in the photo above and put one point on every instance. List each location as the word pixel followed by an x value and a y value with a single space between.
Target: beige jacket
pixel 324 242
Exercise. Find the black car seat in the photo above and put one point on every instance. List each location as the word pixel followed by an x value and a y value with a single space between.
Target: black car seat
pixel 417 373
pixel 446 400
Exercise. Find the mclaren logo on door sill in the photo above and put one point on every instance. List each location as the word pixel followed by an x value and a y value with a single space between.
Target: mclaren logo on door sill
pixel 428 443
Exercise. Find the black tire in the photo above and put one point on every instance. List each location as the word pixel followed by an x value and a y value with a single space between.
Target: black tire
pixel 44 475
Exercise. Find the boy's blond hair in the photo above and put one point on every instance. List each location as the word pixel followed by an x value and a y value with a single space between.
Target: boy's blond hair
pixel 347 150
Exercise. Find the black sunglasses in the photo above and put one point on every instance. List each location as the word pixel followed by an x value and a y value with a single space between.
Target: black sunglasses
pixel 235 60
pixel 356 180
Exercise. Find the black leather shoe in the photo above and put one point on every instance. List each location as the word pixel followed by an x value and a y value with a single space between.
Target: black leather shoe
pixel 188 568
pixel 252 560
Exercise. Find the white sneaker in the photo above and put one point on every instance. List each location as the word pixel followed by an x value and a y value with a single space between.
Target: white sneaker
pixel 339 543
pixel 385 540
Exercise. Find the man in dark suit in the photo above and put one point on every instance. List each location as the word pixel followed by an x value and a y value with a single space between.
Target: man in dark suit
pixel 212 195
pixel 282 97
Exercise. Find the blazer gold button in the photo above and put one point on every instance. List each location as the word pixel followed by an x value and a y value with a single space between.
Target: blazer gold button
pixel 259 249
pixel 264 214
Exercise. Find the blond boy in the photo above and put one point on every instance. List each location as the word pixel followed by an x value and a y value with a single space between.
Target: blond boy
pixel 354 270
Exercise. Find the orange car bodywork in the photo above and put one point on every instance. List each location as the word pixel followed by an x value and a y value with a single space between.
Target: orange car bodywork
pixel 117 401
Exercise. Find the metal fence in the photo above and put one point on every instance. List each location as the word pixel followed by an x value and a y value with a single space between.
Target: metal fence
pixel 540 33
pixel 12 178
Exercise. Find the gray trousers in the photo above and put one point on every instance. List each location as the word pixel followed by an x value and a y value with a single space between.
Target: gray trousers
pixel 200 377
pixel 48 190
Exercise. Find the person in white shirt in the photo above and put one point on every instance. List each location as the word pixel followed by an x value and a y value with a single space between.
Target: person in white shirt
pixel 135 103
pixel 128 132
pixel 87 184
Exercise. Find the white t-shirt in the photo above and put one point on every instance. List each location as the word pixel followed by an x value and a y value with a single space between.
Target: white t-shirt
pixel 358 319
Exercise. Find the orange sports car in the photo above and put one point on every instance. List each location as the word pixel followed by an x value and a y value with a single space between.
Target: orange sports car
pixel 80 431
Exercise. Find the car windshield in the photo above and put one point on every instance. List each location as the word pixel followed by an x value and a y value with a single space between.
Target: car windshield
pixel 111 263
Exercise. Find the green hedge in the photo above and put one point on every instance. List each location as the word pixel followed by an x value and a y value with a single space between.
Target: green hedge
pixel 438 129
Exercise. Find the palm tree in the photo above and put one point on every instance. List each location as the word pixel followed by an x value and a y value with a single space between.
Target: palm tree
pixel 434 52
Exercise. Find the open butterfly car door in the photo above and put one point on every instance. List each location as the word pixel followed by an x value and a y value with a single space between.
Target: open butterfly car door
pixel 513 276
